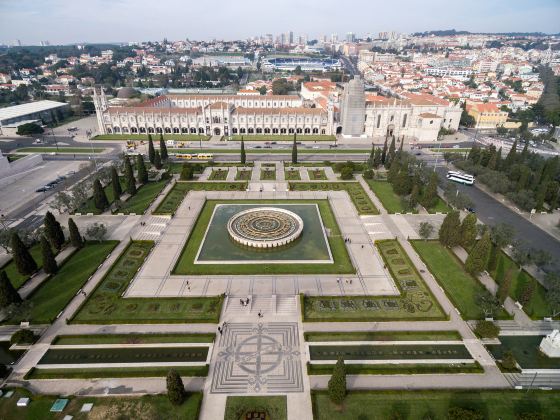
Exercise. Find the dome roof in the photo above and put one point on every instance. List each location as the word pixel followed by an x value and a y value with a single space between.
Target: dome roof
pixel 126 93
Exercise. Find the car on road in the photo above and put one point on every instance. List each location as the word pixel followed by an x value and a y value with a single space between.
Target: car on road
pixel 42 189
pixel 38 141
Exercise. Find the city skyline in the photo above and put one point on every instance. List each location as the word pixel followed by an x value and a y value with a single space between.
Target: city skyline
pixel 127 21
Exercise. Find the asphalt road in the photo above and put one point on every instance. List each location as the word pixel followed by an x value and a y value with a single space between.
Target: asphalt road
pixel 492 212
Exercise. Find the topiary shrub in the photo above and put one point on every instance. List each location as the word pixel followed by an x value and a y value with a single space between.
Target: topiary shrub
pixel 23 337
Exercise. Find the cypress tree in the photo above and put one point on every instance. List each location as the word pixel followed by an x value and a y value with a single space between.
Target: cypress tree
pixel 337 383
pixel 371 158
pixel 384 152
pixel 243 158
pixel 151 150
pixel 510 158
pixel 391 154
pixel 377 158
pixel 8 294
pixel 75 238
pixel 493 260
pixel 129 176
pixel 468 231
pixel 175 388
pixel 53 231
pixel 294 151
pixel 115 183
pixel 25 263
pixel 142 172
pixel 478 258
pixel 99 197
pixel 163 149
pixel 450 230
pixel 413 199
pixel 186 172
pixel 49 263
pixel 429 198
pixel 157 160
pixel 540 196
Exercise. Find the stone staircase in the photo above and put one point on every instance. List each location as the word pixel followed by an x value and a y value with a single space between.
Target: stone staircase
pixel 275 304
pixel 534 380
pixel 508 327
pixel 155 225
pixel 286 305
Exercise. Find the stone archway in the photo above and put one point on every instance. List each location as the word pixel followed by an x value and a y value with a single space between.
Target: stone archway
pixel 339 130
pixel 217 131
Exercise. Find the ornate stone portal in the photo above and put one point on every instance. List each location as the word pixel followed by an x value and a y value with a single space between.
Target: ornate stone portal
pixel 550 345
pixel 265 227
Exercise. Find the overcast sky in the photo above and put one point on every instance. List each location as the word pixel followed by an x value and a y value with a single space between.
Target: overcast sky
pixel 69 21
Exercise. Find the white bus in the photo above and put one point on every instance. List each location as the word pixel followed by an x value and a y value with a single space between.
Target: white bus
pixel 460 177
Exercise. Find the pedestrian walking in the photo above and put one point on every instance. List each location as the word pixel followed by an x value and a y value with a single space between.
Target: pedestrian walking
pixel 220 330
pixel 260 314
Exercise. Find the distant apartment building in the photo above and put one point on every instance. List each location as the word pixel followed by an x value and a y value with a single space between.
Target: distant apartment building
pixel 486 115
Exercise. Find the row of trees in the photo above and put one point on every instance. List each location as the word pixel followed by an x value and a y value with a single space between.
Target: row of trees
pixel 51 238
pixel 526 178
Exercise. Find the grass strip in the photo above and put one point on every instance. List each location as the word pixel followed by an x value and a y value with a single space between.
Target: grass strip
pixel 132 339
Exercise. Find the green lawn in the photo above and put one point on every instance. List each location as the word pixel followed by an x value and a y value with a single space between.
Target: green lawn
pixel 397 369
pixel 420 405
pixel 218 175
pixel 415 302
pixel 240 408
pixel 175 196
pixel 268 174
pixel 280 137
pixel 538 306
pixel 132 338
pixel 179 137
pixel 460 287
pixel 357 194
pixel 54 294
pixel 114 372
pixel 342 263
pixel 440 207
pixel 140 201
pixel 382 336
pixel 14 275
pixel 243 175
pixel 317 175
pixel 106 306
pixel 384 191
pixel 292 175
pixel 122 407
pixel 61 149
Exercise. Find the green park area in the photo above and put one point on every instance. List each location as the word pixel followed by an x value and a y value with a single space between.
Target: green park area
pixel 382 336
pixel 393 203
pixel 51 297
pixel 61 149
pixel 144 137
pixel 280 137
pixel 17 279
pixel 218 174
pixel 419 405
pixel 106 306
pixel 357 194
pixel 132 339
pixel 266 408
pixel 175 196
pixel 268 174
pixel 537 306
pixel 291 174
pixel 317 174
pixel 341 261
pixel 243 175
pixel 122 407
pixel 460 287
pixel 415 302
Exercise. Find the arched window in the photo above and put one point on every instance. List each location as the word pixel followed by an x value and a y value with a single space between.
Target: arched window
pixel 176 130
pixel 134 130
pixel 159 130
pixel 291 131
pixel 323 131
pixel 267 130
pixel 125 130
pixel 274 131
pixel 117 129
pixel 201 130
pixel 251 130
pixel 234 130
pixel 283 130
pixel 307 131
pixel 143 130
pixel 315 131
pixel 167 130
pixel 109 131
pixel 151 130
pixel 242 130
pixel 184 130
pixel 193 130
pixel 259 130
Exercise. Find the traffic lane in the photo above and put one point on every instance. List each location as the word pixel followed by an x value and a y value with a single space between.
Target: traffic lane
pixel 491 212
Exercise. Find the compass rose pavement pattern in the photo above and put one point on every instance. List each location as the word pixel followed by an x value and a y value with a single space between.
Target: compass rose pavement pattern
pixel 258 358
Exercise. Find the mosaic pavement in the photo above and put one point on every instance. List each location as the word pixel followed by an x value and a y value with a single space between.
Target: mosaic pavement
pixel 258 358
